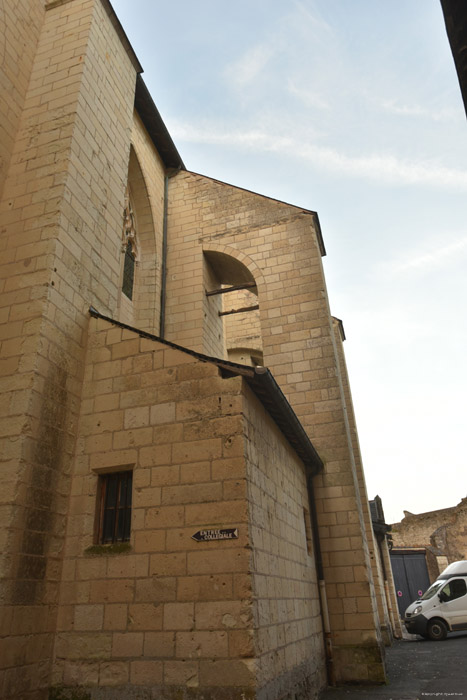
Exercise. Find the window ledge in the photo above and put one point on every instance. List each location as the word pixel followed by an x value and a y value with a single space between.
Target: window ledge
pixel 97 550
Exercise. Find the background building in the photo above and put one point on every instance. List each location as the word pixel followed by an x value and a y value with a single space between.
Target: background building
pixel 423 545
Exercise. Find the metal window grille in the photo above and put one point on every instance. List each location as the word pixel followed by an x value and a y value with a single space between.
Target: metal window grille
pixel 115 507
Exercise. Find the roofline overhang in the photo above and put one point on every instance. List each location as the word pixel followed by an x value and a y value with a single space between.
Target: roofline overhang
pixel 455 19
pixel 264 386
pixel 340 326
pixel 154 124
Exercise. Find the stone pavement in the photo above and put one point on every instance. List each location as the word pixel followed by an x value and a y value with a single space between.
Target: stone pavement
pixel 417 670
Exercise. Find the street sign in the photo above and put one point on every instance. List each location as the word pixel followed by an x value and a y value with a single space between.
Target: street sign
pixel 208 535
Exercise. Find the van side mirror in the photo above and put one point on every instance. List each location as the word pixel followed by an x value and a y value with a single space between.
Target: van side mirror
pixel 442 596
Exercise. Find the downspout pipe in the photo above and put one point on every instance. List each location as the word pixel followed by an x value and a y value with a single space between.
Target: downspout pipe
pixel 380 541
pixel 321 584
pixel 163 297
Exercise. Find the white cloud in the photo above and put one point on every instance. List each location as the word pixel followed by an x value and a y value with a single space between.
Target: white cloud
pixel 416 110
pixel 407 110
pixel 313 18
pixel 308 97
pixel 249 66
pixel 435 258
pixel 383 167
pixel 388 168
pixel 294 35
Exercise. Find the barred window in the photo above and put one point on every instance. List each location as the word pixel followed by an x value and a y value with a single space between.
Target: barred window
pixel 115 507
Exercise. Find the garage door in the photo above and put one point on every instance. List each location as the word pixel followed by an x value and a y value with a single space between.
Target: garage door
pixel 410 578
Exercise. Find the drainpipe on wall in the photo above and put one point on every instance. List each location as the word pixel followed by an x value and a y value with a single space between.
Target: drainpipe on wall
pixel 322 585
pixel 386 587
pixel 168 175
pixel 390 611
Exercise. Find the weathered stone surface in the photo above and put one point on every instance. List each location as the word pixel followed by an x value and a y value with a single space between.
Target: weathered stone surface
pixel 163 616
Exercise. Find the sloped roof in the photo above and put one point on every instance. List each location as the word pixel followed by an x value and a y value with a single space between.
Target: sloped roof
pixel 261 382
pixel 157 130
pixel 455 18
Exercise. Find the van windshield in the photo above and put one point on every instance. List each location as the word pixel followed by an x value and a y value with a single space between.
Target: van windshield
pixel 432 590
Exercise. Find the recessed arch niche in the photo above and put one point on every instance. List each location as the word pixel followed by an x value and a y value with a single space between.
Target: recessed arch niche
pixel 232 319
pixel 141 308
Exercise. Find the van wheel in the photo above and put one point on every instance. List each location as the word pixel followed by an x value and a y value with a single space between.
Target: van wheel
pixel 436 630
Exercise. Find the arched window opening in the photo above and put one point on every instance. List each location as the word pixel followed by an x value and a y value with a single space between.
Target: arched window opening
pixel 232 319
pixel 141 241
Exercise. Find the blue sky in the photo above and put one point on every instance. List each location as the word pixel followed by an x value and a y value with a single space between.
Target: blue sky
pixel 352 109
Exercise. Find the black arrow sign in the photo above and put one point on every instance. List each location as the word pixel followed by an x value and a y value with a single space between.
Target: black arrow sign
pixel 208 535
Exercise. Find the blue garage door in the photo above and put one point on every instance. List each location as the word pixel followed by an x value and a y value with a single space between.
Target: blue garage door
pixel 410 578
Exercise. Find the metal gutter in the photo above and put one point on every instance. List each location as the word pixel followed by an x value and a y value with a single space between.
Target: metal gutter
pixel 271 396
pixel 323 598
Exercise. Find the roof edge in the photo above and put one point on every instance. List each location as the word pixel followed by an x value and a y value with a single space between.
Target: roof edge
pixel 262 383
pixel 241 369
pixel 154 124
pixel 122 35
pixel 340 327
pixel 266 388
pixel 107 5
pixel 302 210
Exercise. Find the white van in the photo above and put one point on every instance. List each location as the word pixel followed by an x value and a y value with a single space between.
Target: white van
pixel 443 607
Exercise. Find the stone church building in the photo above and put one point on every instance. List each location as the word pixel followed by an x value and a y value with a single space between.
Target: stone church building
pixel 183 506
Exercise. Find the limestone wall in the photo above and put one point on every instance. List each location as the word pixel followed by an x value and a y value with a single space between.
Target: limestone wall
pixel 61 218
pixel 288 626
pixel 443 531
pixel 377 588
pixel 391 598
pixel 228 616
pixel 68 164
pixel 20 27
pixel 172 611
pixel 279 247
